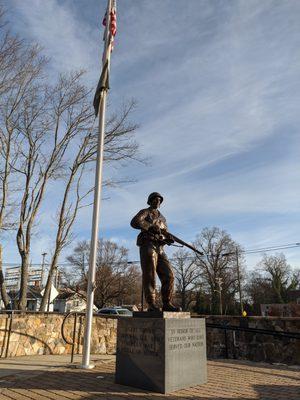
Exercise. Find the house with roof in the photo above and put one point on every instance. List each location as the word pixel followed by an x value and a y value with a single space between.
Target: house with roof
pixel 33 297
pixel 70 300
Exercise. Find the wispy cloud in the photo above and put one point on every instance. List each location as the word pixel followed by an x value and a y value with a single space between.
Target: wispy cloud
pixel 218 91
pixel 68 41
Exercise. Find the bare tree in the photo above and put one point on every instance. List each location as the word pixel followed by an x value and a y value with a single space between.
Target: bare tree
pixel 218 266
pixel 19 64
pixel 51 120
pixel 10 49
pixel 187 277
pixel 273 281
pixel 258 291
pixel 117 281
pixel 115 278
pixel 46 134
pixel 79 259
pixel 71 115
pixel 278 273
pixel 119 148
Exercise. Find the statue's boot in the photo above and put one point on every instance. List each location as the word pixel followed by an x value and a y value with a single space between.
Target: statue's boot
pixel 171 307
pixel 152 307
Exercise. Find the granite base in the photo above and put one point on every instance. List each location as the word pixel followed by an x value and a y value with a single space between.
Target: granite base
pixel 161 354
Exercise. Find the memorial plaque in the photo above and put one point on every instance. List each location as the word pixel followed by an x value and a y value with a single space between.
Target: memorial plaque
pixel 161 354
pixel 185 361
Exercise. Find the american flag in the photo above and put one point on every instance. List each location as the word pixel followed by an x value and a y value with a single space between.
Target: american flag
pixel 103 83
pixel 113 22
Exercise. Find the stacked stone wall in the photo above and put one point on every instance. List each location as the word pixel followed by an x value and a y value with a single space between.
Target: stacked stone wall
pixel 40 333
pixel 254 346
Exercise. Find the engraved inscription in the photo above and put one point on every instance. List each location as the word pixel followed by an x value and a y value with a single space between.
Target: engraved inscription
pixel 185 338
pixel 139 341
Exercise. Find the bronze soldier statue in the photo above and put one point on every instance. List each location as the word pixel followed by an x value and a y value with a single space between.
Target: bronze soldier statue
pixel 151 240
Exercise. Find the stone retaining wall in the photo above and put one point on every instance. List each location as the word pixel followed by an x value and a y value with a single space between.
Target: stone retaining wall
pixel 254 346
pixel 40 333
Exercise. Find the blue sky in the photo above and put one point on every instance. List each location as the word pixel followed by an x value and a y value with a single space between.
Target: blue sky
pixel 218 91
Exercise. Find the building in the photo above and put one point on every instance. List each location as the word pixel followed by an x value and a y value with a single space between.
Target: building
pixel 12 277
pixel 34 298
pixel 69 300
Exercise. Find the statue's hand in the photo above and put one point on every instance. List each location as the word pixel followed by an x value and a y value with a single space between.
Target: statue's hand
pixel 154 229
pixel 169 239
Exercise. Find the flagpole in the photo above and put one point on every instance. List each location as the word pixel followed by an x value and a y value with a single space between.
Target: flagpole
pixel 96 207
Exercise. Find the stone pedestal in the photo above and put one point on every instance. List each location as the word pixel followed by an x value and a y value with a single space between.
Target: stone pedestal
pixel 161 354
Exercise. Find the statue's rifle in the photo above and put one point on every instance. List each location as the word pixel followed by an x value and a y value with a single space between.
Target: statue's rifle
pixel 183 243
pixel 169 236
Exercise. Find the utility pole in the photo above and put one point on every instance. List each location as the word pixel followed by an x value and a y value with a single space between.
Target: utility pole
pixel 239 279
pixel 43 268
pixel 83 270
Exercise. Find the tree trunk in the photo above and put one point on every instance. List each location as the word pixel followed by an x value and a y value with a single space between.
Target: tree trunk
pixel 4 295
pixel 215 302
pixel 183 300
pixel 22 303
pixel 48 284
pixel 278 290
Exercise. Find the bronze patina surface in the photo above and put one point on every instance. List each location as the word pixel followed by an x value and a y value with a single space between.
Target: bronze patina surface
pixel 151 241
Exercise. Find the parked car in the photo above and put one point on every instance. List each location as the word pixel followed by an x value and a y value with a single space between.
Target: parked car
pixel 115 311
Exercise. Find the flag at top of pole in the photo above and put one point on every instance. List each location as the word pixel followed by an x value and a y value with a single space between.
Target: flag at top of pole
pixel 108 37
pixel 113 19
pixel 110 23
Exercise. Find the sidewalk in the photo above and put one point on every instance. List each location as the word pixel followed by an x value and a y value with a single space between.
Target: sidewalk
pixel 35 365
pixel 51 377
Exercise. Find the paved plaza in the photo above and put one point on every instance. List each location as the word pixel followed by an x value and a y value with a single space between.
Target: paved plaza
pixel 52 377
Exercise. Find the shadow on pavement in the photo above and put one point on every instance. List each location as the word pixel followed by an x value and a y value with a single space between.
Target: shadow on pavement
pixel 264 366
pixel 96 384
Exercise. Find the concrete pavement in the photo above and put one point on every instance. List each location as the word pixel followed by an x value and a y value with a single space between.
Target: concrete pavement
pixel 52 377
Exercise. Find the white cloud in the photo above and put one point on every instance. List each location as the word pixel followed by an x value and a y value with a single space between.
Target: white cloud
pixel 215 83
pixel 69 42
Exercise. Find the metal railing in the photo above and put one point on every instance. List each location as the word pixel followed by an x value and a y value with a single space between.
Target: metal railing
pixel 74 341
pixel 226 327
pixel 290 335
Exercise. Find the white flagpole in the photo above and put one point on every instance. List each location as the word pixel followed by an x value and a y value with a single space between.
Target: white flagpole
pixel 96 207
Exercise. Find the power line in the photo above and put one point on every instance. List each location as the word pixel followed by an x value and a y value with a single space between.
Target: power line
pixel 133 262
pixel 266 249
pixel 278 247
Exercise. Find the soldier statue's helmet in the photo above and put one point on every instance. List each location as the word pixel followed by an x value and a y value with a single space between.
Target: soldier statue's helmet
pixel 152 195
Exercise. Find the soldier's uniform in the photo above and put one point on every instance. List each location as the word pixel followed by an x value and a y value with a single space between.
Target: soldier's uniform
pixel 152 255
